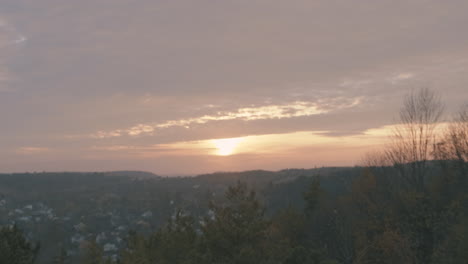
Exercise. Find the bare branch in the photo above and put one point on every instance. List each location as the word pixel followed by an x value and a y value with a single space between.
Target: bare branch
pixel 413 139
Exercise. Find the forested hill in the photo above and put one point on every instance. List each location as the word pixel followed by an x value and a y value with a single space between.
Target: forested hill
pixel 27 185
pixel 368 214
pixel 66 209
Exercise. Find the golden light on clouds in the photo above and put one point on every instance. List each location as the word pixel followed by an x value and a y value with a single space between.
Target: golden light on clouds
pixel 300 142
pixel 269 144
pixel 301 149
pixel 272 144
pixel 281 111
pixel 289 110
pixel 226 147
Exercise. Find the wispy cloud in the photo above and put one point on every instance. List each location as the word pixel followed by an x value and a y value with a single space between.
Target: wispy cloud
pixel 401 77
pixel 32 150
pixel 355 83
pixel 254 144
pixel 9 35
pixel 20 39
pixel 290 110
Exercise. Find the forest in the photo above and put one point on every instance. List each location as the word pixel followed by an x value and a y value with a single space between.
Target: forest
pixel 405 203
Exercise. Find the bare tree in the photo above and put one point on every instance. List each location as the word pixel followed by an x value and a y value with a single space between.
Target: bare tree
pixel 454 145
pixel 452 150
pixel 374 159
pixel 414 137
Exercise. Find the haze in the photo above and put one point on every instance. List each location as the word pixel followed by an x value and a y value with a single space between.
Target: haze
pixel 184 87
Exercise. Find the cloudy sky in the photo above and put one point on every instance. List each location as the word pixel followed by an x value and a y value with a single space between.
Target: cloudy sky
pixel 185 87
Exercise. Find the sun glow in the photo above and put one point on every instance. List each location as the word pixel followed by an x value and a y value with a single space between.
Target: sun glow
pixel 226 147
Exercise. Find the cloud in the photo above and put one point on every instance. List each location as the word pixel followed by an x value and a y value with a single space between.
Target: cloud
pixel 401 77
pixel 355 83
pixel 32 150
pixel 290 110
pixel 9 36
pixel 20 39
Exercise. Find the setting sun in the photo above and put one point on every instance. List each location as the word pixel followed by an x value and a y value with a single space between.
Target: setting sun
pixel 226 147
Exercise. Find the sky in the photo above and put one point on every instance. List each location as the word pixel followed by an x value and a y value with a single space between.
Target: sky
pixel 180 87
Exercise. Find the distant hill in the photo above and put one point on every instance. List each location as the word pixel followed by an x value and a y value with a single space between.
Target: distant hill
pixel 77 206
pixel 132 174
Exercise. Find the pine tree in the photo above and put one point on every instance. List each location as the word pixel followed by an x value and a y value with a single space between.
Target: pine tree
pixel 237 231
pixel 14 248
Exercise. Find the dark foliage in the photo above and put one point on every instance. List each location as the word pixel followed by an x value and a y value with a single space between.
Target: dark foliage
pixel 14 248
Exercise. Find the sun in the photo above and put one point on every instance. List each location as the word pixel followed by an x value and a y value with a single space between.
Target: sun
pixel 227 146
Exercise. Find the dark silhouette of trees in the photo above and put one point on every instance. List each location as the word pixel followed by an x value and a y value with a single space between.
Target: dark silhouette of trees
pixel 237 230
pixel 415 136
pixel 15 248
pixel 452 149
pixel 175 243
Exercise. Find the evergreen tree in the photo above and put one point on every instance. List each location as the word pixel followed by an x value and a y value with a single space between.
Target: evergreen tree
pixel 173 244
pixel 14 248
pixel 237 231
